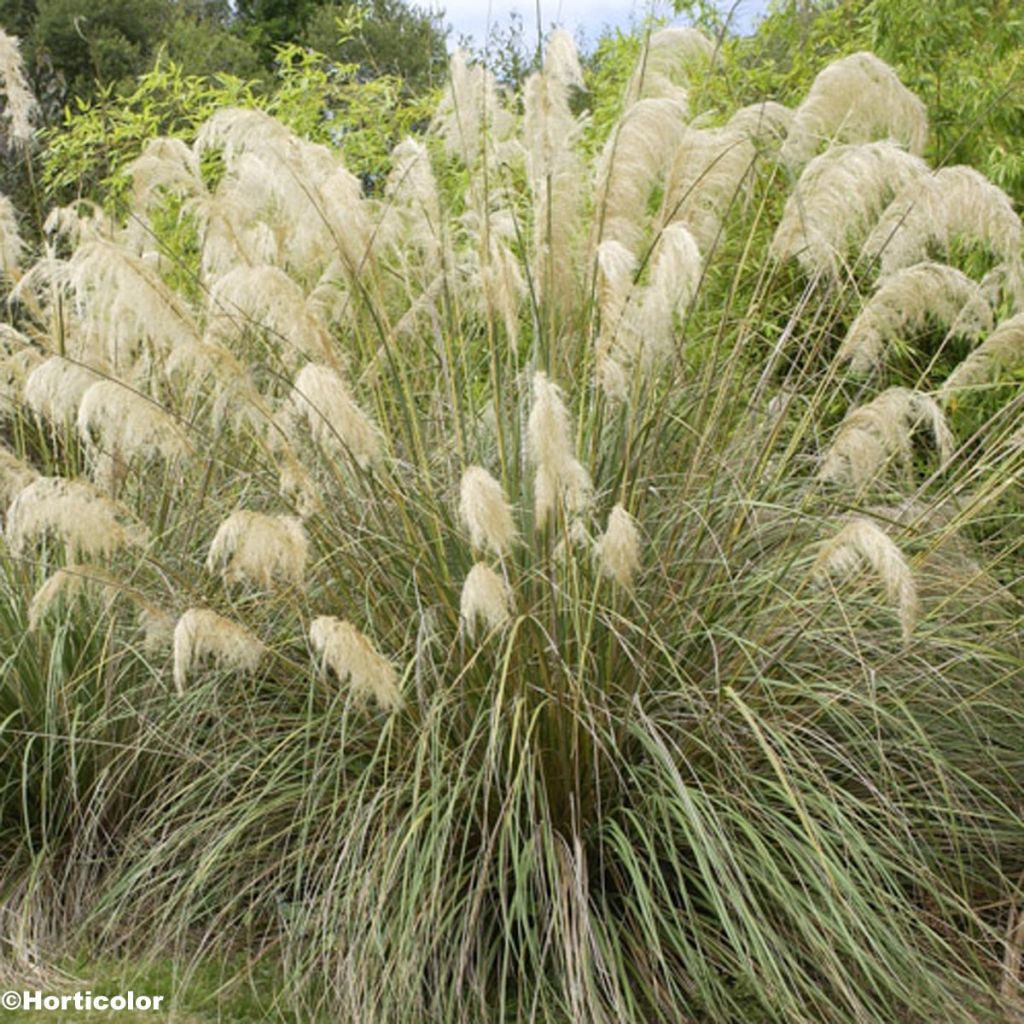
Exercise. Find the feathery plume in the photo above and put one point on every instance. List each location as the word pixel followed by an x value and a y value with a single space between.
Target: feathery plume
pixel 855 99
pixel 15 476
pixel 1003 349
pixel 21 107
pixel 905 302
pixel 115 420
pixel 69 584
pixel 838 199
pixel 165 165
pixel 266 298
pixel 708 171
pixel 669 60
pixel 558 474
pixel 633 159
pixel 54 389
pixel 766 123
pixel 412 217
pixel 351 656
pixel 320 398
pixel 485 598
pixel 470 117
pixel 258 548
pixel 89 524
pixel 485 512
pixel 933 211
pixel 15 368
pixel 10 238
pixel 859 542
pixel 201 634
pixel 618 548
pixel 554 169
pixel 874 434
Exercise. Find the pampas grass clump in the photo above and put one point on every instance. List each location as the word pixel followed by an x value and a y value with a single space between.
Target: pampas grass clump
pixel 700 702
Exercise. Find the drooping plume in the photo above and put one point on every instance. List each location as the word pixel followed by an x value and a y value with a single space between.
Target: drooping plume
pixel 321 400
pixel 68 584
pixel 54 389
pixel 202 635
pixel 873 435
pixel 857 98
pixel 10 238
pixel 709 170
pixel 618 548
pixel 934 211
pixel 559 476
pixel 485 512
pixel 838 200
pixel 1002 350
pixel 861 542
pixel 485 599
pixel 904 303
pixel 671 58
pixel 15 476
pixel 88 524
pixel 262 549
pixel 352 657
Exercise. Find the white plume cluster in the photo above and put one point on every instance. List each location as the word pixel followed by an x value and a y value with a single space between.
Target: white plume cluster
pixel 471 118
pixel 15 476
pixel 201 635
pixel 559 476
pixel 670 59
pixel 262 549
pixel 934 211
pixel 905 302
pixel 10 238
pixel 87 523
pixel 860 542
pixel 352 657
pixel 879 432
pixel 857 98
pixel 485 599
pixel 321 400
pixel 485 512
pixel 165 165
pixel 618 548
pixel 54 389
pixel 634 158
pixel 766 123
pixel 708 172
pixel 837 201
pixel 1002 350
pixel 555 170
pixel 21 108
pixel 411 221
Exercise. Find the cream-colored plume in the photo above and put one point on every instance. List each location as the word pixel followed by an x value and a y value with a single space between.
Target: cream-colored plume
pixel 470 117
pixel 411 221
pixel 873 435
pixel 54 389
pixel 10 238
pixel 321 400
pixel 857 98
pixel 1003 349
pixel 485 512
pixel 21 108
pixel 934 211
pixel 15 476
pixel 485 598
pixel 120 423
pixel 645 334
pixel 709 170
pixel 68 584
pixel 261 549
pixel 559 476
pixel 202 634
pixel 166 165
pixel 89 524
pixel 618 548
pixel 838 200
pixel 351 656
pixel 668 62
pixel 266 299
pixel 905 302
pixel 555 170
pixel 766 123
pixel 860 542
pixel 633 159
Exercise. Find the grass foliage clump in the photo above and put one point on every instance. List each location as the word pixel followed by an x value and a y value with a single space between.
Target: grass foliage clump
pixel 503 599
